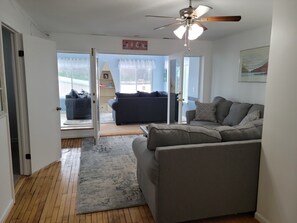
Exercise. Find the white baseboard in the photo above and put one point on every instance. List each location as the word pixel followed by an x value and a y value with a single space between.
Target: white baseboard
pixel 7 211
pixel 66 134
pixel 260 218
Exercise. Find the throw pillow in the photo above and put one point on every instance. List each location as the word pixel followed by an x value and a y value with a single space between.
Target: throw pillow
pixel 169 135
pixel 73 93
pixel 250 117
pixel 162 94
pixel 237 112
pixel 257 107
pixel 205 112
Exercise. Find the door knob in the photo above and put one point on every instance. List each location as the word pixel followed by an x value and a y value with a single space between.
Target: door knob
pixel 59 108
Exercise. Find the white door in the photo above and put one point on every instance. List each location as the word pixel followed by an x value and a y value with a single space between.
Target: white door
pixel 95 95
pixel 41 74
pixel 175 85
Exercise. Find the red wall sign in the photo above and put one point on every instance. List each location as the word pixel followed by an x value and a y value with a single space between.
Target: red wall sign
pixel 134 45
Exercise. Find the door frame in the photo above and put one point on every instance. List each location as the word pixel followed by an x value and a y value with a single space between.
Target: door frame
pixel 78 132
pixel 176 57
pixel 21 101
pixel 95 95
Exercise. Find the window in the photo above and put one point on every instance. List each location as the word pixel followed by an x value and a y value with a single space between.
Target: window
pixel 136 75
pixel 73 73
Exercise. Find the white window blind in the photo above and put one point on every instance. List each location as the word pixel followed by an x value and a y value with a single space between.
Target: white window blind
pixel 136 75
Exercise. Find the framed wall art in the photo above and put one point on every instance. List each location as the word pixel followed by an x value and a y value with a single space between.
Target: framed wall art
pixel 254 64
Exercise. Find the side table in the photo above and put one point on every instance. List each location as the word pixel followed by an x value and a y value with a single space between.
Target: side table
pixel 144 130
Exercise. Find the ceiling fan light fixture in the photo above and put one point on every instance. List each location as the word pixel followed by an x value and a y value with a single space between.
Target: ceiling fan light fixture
pixel 195 31
pixel 180 31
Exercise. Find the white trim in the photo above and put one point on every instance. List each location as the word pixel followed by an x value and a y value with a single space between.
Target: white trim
pixel 81 133
pixel 3 112
pixel 22 108
pixel 10 159
pixel 261 218
pixel 7 211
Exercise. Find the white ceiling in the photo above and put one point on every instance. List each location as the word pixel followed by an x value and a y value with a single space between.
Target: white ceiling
pixel 125 18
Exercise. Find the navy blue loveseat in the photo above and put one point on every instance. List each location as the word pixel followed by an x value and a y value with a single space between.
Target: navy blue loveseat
pixel 140 107
pixel 78 105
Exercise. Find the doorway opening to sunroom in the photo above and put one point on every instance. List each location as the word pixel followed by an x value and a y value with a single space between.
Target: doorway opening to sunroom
pixel 74 90
pixel 128 74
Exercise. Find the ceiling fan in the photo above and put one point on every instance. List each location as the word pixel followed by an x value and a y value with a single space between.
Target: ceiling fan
pixel 191 19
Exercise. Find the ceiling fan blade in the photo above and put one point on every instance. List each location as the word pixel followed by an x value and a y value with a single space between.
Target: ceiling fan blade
pixel 201 25
pixel 160 16
pixel 201 10
pixel 220 19
pixel 170 24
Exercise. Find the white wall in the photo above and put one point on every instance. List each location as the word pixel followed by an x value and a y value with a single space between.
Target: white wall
pixel 6 193
pixel 226 54
pixel 277 198
pixel 11 15
pixel 104 44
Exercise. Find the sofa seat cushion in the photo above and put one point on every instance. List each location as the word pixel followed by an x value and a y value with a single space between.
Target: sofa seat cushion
pixel 205 111
pixel 145 158
pixel 237 112
pixel 204 123
pixel 252 130
pixel 169 135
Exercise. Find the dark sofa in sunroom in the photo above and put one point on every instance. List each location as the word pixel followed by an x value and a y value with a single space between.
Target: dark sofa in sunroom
pixel 140 107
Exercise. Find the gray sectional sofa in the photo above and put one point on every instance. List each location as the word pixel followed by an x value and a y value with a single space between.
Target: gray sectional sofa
pixel 189 172
pixel 226 113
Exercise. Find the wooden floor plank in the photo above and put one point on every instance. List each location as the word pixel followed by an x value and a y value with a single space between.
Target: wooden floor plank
pixel 49 196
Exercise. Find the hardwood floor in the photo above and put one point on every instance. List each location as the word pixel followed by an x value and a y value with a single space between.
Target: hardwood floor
pixel 110 129
pixel 50 196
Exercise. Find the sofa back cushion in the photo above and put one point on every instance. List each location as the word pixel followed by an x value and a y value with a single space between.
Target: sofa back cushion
pixel 126 95
pixel 252 130
pixel 168 135
pixel 237 112
pixel 146 94
pixel 162 94
pixel 222 108
pixel 73 94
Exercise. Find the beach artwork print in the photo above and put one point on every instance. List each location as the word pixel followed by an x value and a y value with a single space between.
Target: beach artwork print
pixel 254 64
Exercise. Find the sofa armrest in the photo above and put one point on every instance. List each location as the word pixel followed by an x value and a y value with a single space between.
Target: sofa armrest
pixel 111 101
pixel 145 158
pixel 211 179
pixel 190 115
pixel 114 104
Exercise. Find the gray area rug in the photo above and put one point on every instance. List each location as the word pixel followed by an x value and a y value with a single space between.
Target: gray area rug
pixel 107 177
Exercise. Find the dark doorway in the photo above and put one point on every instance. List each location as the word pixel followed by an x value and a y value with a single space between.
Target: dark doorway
pixel 9 62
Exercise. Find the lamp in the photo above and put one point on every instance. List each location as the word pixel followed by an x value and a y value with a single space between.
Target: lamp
pixel 180 31
pixel 194 31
